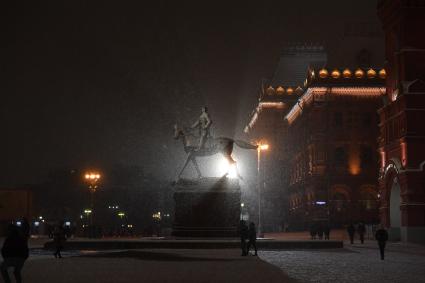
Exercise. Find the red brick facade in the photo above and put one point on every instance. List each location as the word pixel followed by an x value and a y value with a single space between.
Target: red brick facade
pixel 331 148
pixel 402 130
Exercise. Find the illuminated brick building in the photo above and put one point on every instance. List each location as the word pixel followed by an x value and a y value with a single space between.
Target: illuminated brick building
pixel 331 148
pixel 402 130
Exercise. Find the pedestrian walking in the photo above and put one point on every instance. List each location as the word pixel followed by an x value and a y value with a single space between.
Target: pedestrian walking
pixel 351 230
pixel 326 231
pixel 252 238
pixel 361 230
pixel 381 236
pixel 58 240
pixel 14 253
pixel 244 233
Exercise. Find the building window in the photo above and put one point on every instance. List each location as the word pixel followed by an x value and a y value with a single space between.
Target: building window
pixel 340 156
pixel 368 200
pixel 366 157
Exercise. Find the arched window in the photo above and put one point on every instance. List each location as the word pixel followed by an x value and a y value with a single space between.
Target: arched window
pixel 368 198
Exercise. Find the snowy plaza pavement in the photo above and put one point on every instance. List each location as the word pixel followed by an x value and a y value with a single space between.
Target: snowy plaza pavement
pixel 355 263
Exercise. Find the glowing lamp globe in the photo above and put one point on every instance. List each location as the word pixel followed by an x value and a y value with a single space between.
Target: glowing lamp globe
pixel 371 73
pixel 270 90
pixel 359 73
pixel 323 73
pixel 280 90
pixel 335 74
pixel 289 90
pixel 346 73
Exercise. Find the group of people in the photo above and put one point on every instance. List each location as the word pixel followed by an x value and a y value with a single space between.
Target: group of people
pixel 15 248
pixel 318 230
pixel 381 236
pixel 248 234
pixel 361 231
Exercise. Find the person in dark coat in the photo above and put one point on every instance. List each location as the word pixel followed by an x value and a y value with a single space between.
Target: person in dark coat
pixel 58 240
pixel 244 236
pixel 14 253
pixel 361 230
pixel 313 231
pixel 381 236
pixel 351 230
pixel 327 231
pixel 252 238
pixel 320 231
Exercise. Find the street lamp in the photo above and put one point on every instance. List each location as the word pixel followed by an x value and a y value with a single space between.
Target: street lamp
pixel 260 182
pixel 92 179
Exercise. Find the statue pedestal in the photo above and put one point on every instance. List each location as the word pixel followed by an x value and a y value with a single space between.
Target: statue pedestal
pixel 208 207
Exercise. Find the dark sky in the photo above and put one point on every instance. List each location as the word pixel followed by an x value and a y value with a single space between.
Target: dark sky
pixel 94 83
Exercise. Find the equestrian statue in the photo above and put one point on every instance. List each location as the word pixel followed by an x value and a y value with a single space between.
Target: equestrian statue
pixel 207 145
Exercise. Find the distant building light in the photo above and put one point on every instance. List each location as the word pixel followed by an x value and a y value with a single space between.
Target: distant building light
pixel 40 217
pixel 67 223
pixel 19 223
pixel 320 202
pixel 36 223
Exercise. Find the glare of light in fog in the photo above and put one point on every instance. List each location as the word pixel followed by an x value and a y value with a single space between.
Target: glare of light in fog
pixel 224 167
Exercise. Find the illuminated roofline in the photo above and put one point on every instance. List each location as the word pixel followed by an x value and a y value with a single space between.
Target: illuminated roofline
pixel 259 108
pixel 308 96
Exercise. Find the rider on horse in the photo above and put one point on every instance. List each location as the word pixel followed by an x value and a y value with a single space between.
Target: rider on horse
pixel 203 124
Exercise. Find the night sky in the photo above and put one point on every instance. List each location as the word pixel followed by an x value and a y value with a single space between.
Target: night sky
pixel 90 84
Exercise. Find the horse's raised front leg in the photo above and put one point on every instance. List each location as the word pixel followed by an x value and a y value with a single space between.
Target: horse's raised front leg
pixel 195 163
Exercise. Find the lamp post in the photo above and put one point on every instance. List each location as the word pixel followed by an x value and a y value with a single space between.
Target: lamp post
pixel 92 179
pixel 260 183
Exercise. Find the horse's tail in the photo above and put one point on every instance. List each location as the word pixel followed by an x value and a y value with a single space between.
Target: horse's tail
pixel 245 145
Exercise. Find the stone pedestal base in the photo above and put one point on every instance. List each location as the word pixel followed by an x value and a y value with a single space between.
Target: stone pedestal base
pixel 208 207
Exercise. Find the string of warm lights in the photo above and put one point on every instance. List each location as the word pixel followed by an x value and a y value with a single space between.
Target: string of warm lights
pixel 310 94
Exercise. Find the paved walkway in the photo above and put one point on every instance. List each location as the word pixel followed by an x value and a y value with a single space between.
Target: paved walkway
pixel 355 263
pixel 152 266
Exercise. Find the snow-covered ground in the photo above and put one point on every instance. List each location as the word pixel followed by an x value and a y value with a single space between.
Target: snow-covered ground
pixel 357 263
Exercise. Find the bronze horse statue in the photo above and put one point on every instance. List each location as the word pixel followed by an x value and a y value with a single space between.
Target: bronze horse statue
pixel 221 145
